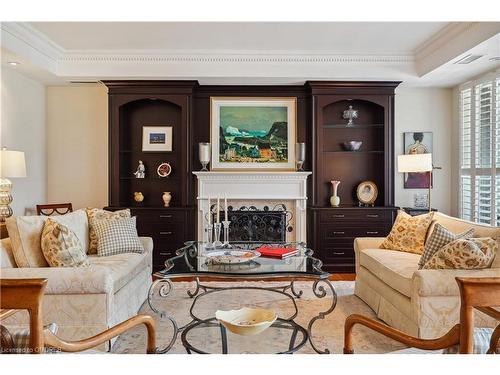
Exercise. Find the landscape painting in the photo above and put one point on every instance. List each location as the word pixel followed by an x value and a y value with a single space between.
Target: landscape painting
pixel 255 133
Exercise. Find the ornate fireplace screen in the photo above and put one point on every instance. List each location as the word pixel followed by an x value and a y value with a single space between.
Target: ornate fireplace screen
pixel 252 224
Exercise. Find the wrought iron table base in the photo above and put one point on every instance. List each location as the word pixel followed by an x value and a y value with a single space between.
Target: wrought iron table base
pixel 320 289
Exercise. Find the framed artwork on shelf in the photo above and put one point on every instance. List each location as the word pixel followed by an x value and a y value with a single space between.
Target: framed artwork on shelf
pixel 253 133
pixel 417 143
pixel 367 193
pixel 156 138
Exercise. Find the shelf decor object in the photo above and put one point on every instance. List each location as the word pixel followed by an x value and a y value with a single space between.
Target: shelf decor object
pixel 335 199
pixel 141 170
pixel 367 193
pixel 138 196
pixel 300 155
pixel 167 197
pixel 352 145
pixel 164 170
pixel 417 163
pixel 253 133
pixel 350 114
pixel 157 138
pixel 204 153
pixel 12 164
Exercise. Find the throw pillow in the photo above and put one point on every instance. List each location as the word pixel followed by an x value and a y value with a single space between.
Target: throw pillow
pixel 408 233
pixel 61 247
pixel 471 254
pixel 25 234
pixel 440 237
pixel 117 237
pixel 98 214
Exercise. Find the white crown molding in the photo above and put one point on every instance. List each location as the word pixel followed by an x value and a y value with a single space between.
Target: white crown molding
pixel 27 42
pixel 224 56
pixel 453 40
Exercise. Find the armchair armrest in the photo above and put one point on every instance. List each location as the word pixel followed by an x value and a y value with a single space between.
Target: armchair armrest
pixel 66 280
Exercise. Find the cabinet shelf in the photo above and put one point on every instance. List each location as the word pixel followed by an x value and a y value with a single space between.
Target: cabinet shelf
pixel 345 126
pixel 354 152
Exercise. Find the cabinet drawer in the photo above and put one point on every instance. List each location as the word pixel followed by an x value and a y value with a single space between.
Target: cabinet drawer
pixel 162 217
pixel 340 231
pixel 370 215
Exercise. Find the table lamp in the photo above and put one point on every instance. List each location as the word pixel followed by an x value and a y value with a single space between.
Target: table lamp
pixel 417 163
pixel 12 165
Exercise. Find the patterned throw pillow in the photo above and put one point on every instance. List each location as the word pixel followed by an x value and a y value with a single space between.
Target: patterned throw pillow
pixel 471 254
pixel 440 237
pixel 117 237
pixel 98 214
pixel 61 247
pixel 408 233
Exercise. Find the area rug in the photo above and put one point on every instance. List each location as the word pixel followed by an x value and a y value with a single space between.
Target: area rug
pixel 327 332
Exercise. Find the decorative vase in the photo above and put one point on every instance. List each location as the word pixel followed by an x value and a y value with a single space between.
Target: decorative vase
pixel 335 199
pixel 167 197
pixel 138 197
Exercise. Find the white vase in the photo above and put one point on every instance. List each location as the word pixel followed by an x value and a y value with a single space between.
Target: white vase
pixel 167 197
pixel 335 199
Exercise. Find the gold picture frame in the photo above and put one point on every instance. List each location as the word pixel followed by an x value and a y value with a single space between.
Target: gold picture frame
pixel 262 135
pixel 367 193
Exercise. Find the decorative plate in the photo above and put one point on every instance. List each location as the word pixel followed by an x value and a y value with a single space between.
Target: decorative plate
pixel 231 256
pixel 367 192
pixel 164 170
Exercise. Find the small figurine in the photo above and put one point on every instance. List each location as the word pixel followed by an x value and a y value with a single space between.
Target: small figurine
pixel 138 196
pixel 141 170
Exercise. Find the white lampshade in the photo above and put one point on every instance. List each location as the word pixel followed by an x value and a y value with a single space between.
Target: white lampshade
pixel 12 163
pixel 414 163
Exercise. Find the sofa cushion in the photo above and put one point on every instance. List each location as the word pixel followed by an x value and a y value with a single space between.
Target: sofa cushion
pixel 440 237
pixel 121 267
pixel 25 233
pixel 395 268
pixel 99 214
pixel 117 236
pixel 61 247
pixel 474 253
pixel 408 233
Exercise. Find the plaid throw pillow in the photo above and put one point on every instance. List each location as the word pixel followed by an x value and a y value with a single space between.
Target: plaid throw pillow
pixel 117 237
pixel 440 237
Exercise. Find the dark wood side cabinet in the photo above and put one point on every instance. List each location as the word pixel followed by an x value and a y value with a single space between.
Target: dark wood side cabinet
pixel 332 230
pixel 132 105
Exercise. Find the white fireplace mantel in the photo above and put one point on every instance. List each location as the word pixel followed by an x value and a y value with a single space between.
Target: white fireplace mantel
pixel 262 185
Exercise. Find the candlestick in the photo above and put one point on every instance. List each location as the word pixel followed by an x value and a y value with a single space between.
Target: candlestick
pixel 209 213
pixel 225 209
pixel 226 234
pixel 218 209
pixel 217 230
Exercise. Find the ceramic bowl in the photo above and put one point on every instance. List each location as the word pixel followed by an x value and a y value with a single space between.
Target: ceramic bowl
pixel 246 321
pixel 352 145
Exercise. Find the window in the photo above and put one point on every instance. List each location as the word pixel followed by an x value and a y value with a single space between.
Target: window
pixel 480 150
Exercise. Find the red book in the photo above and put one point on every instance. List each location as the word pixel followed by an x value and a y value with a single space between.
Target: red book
pixel 277 252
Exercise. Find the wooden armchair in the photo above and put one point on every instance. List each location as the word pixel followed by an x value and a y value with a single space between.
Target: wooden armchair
pixel 51 209
pixel 27 294
pixel 480 293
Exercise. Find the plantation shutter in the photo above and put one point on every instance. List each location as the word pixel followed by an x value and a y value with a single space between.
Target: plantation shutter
pixel 480 151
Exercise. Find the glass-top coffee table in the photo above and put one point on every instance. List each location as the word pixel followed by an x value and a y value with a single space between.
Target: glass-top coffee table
pixel 193 260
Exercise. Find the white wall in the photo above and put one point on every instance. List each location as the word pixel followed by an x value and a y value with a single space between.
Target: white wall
pixel 77 152
pixel 426 110
pixel 23 129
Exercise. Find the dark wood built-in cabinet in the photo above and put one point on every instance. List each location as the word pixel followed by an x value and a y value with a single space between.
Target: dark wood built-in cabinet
pixel 132 105
pixel 185 106
pixel 332 230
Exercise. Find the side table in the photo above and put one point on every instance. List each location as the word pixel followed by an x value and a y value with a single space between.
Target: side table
pixel 414 211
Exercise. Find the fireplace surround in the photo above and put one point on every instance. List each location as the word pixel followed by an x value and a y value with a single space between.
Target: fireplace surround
pixel 257 190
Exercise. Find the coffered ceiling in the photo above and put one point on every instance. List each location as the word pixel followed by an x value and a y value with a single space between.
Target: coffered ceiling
pixel 418 53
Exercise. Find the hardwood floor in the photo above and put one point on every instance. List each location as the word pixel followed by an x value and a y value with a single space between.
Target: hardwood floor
pixel 333 277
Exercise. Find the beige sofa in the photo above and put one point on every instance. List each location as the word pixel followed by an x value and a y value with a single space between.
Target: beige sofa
pixel 85 301
pixel 423 303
